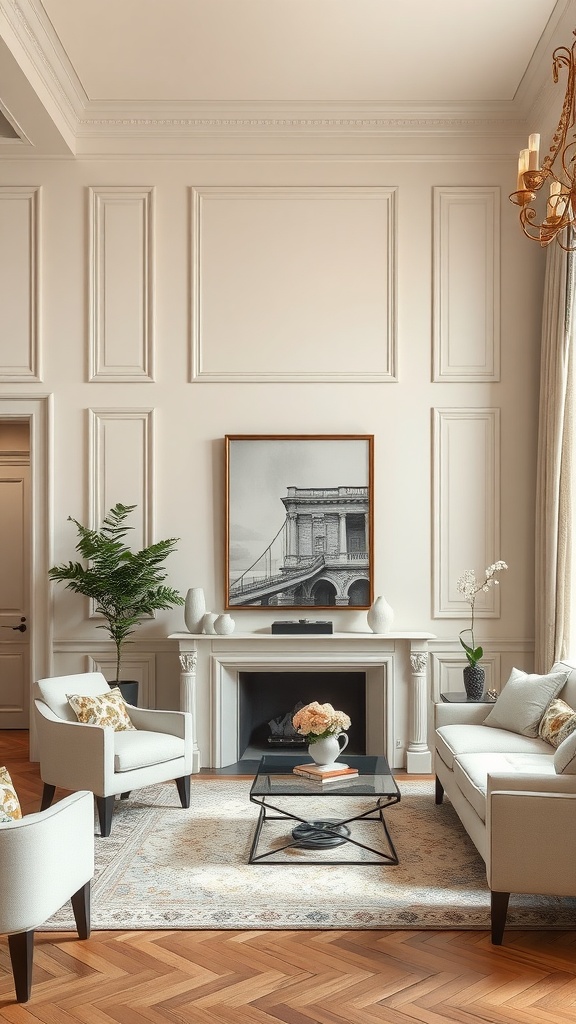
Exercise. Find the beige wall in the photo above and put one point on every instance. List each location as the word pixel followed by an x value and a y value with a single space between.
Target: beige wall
pixel 170 302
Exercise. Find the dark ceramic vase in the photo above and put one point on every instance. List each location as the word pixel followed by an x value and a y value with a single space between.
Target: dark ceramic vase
pixel 474 682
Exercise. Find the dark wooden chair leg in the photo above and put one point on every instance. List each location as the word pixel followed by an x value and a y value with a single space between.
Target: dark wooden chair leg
pixel 183 785
pixel 47 796
pixel 21 948
pixel 105 806
pixel 498 911
pixel 81 908
pixel 439 791
pixel 124 796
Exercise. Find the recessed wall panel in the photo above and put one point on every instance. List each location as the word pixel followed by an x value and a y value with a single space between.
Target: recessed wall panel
pixel 466 284
pixel 466 507
pixel 127 479
pixel 19 283
pixel 293 284
pixel 121 284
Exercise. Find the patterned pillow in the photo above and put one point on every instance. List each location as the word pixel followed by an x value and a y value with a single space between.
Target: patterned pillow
pixel 107 709
pixel 565 756
pixel 557 722
pixel 9 802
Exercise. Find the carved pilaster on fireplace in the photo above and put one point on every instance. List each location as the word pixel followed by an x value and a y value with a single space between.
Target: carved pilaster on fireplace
pixel 188 663
pixel 418 756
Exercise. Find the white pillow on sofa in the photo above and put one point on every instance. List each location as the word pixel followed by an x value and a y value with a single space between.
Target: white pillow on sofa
pixel 565 756
pixel 524 700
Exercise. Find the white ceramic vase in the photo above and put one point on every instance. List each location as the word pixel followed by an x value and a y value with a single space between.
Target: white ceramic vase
pixel 325 751
pixel 381 616
pixel 224 624
pixel 208 622
pixel 194 609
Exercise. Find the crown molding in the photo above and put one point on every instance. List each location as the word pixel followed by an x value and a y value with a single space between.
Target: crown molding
pixel 37 47
pixel 163 120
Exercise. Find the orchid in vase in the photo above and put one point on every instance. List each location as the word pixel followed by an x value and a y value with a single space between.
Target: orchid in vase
pixel 469 587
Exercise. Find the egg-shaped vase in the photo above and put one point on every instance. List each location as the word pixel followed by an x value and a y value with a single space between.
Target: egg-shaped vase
pixel 381 616
pixel 208 622
pixel 194 609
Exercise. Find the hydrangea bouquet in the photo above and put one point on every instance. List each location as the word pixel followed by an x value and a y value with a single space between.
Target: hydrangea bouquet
pixel 469 587
pixel 317 721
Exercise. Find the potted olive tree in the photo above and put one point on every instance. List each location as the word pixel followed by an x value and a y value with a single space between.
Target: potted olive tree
pixel 126 586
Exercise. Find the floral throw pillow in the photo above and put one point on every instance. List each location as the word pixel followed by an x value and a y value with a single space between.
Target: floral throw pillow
pixel 107 710
pixel 9 802
pixel 557 722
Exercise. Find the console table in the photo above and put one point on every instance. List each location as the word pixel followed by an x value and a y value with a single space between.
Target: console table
pixel 395 665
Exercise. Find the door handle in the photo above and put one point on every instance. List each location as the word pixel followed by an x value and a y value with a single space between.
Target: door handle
pixel 21 627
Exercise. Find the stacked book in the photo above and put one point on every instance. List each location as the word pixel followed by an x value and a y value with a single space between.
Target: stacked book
pixel 337 772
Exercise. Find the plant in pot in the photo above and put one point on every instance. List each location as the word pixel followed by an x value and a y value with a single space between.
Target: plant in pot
pixel 126 586
pixel 469 587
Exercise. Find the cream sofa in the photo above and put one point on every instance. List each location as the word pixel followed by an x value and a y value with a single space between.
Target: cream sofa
pixel 515 795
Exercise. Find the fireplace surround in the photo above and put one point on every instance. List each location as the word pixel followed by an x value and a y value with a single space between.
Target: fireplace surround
pixel 394 664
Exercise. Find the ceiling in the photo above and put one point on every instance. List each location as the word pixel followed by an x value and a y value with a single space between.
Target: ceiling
pixel 74 73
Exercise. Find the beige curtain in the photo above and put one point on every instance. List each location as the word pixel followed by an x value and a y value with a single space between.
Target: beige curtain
pixel 554 466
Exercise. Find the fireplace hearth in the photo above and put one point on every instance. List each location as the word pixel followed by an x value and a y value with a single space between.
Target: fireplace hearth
pixel 268 700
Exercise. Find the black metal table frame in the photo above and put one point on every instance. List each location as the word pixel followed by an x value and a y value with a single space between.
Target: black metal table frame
pixel 372 814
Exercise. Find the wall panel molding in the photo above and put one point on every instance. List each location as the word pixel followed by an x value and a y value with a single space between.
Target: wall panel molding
pixel 129 480
pixel 20 283
pixel 121 293
pixel 466 284
pixel 255 247
pixel 465 507
pixel 139 667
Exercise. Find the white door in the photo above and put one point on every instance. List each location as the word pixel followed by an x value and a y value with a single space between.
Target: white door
pixel 14 595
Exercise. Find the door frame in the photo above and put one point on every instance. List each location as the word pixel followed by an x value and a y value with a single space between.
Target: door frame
pixel 37 411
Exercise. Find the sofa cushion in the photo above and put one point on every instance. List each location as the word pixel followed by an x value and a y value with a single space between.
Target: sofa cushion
pixel 140 749
pixel 557 722
pixel 471 772
pixel 565 756
pixel 452 740
pixel 523 701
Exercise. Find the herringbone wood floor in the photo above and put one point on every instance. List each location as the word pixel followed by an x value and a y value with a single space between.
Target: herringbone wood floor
pixel 265 977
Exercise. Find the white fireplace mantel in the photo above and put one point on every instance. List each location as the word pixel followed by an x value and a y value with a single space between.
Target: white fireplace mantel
pixel 396 675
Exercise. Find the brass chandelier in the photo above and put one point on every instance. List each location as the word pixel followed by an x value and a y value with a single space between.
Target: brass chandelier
pixel 558 168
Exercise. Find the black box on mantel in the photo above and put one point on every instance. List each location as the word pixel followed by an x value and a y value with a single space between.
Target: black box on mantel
pixel 302 626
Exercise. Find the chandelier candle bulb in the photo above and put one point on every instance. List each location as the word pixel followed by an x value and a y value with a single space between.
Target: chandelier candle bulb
pixel 523 160
pixel 533 152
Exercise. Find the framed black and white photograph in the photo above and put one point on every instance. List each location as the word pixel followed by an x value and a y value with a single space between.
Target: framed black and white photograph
pixel 299 521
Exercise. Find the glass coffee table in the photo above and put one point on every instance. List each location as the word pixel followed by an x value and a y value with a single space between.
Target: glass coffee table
pixel 275 779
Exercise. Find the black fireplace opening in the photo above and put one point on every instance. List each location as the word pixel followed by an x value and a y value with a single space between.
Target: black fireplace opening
pixel 267 701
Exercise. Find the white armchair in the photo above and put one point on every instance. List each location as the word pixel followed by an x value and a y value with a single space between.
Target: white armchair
pixel 46 859
pixel 75 756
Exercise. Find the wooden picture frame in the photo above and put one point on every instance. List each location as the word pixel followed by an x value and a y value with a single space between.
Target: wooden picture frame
pixel 299 521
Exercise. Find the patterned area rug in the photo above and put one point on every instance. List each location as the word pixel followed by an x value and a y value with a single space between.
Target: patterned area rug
pixel 164 867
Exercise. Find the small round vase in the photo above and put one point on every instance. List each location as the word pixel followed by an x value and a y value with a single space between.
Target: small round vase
pixel 224 624
pixel 325 752
pixel 194 609
pixel 208 622
pixel 473 682
pixel 381 616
